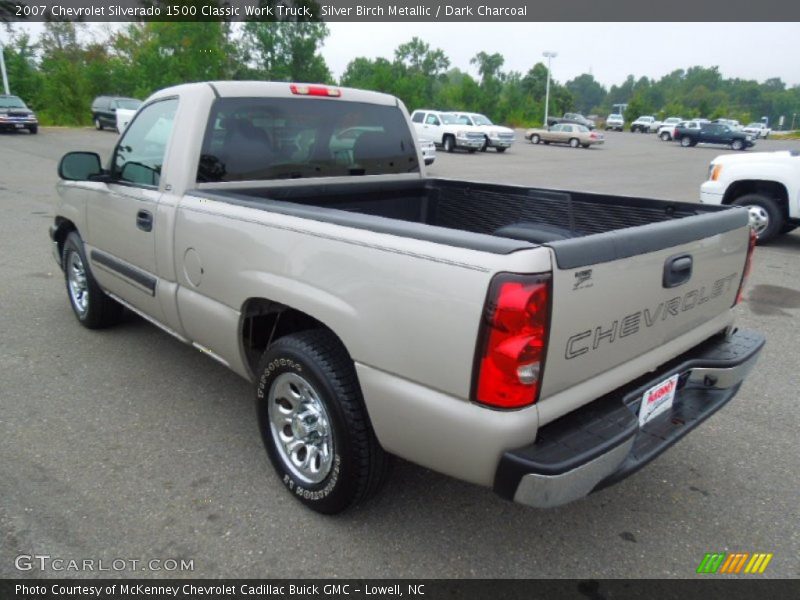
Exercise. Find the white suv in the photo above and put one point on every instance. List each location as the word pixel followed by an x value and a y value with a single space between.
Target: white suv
pixel 615 121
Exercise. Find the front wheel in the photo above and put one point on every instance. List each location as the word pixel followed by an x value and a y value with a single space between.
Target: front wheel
pixel 34 129
pixel 766 216
pixel 314 424
pixel 93 308
pixel 665 137
pixel 97 124
pixel 501 150
pixel 448 144
pixel 485 144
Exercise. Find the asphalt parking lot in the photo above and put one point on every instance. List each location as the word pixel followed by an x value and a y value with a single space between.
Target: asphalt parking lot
pixel 126 444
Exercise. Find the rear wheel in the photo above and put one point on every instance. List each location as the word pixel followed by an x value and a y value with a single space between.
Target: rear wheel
pixel 535 139
pixel 766 216
pixel 574 143
pixel 737 145
pixel 686 141
pixel 93 308
pixel 314 424
pixel 448 143
pixel 585 145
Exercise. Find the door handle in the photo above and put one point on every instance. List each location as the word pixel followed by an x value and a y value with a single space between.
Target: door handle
pixel 677 270
pixel 144 220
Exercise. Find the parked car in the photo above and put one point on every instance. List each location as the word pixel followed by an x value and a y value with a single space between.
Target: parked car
pixel 574 118
pixel 496 136
pixel 758 130
pixel 104 110
pixel 645 124
pixel 671 132
pixel 447 130
pixel 732 123
pixel 667 129
pixel 766 183
pixel 15 115
pixel 543 343
pixel 565 133
pixel 615 122
pixel 714 133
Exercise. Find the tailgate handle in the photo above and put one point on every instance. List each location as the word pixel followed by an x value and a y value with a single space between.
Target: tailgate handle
pixel 677 270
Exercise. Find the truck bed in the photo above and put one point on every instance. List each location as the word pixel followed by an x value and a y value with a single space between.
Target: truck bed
pixel 494 218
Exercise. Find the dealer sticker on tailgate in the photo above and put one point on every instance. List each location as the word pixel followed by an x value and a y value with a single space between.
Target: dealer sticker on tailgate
pixel 657 399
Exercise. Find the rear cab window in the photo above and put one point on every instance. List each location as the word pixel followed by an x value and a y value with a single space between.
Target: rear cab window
pixel 250 139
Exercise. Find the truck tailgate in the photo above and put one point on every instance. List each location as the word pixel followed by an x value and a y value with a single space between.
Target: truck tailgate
pixel 619 295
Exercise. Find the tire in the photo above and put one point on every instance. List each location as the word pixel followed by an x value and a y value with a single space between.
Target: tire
pixel 448 143
pixel 97 124
pixel 789 228
pixel 535 139
pixel 546 143
pixel 686 141
pixel 737 145
pixel 312 372
pixel 485 144
pixel 665 137
pixel 574 143
pixel 766 216
pixel 34 129
pixel 585 145
pixel 501 150
pixel 472 150
pixel 92 307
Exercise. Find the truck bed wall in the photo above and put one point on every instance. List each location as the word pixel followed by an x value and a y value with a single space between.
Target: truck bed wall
pixel 471 207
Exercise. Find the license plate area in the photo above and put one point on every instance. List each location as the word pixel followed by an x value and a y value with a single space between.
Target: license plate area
pixel 658 399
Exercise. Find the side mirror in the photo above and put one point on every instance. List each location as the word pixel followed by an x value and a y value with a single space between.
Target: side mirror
pixel 80 166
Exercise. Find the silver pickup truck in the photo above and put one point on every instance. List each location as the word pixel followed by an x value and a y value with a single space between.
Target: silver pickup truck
pixel 541 342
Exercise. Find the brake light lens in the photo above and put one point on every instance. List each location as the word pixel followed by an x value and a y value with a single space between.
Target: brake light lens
pixel 513 341
pixel 748 263
pixel 315 90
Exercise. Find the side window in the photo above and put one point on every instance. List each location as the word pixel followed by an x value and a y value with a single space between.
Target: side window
pixel 140 153
pixel 418 117
pixel 567 128
pixel 432 120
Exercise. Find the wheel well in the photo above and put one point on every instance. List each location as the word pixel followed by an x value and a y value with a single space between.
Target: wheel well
pixel 264 321
pixel 63 229
pixel 771 189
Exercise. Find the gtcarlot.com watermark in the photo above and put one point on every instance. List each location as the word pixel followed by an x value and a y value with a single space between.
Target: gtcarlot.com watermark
pixel 57 564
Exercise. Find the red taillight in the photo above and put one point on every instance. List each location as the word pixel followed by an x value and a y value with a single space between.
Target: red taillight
pixel 513 341
pixel 593 136
pixel 315 90
pixel 748 263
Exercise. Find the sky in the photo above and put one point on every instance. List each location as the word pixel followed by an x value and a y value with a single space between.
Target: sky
pixel 609 51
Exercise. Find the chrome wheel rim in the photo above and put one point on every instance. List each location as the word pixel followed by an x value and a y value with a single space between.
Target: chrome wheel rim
pixel 78 286
pixel 759 218
pixel 301 428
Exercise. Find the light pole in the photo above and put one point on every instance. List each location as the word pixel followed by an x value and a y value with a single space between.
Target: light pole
pixel 549 56
pixel 3 68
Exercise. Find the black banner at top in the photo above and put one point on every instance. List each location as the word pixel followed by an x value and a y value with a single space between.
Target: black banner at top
pixel 400 10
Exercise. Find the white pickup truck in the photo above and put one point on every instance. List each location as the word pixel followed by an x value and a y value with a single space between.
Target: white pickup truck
pixel 767 183
pixel 447 130
pixel 544 343
pixel 495 136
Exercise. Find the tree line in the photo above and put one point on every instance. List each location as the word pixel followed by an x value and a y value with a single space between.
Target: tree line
pixel 59 73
